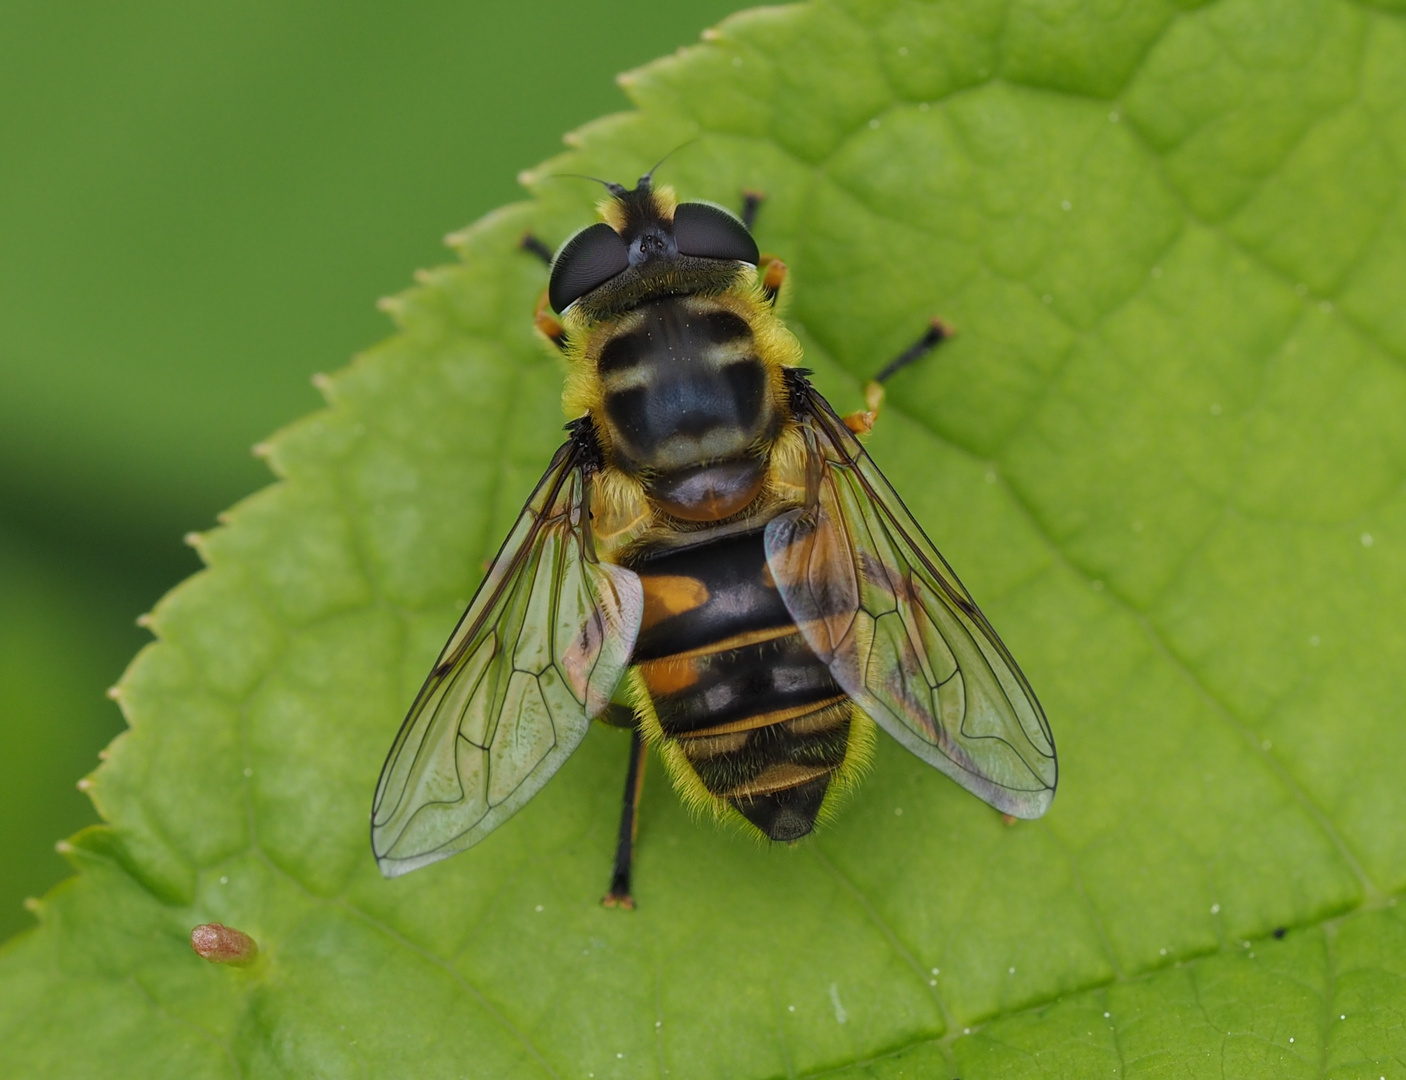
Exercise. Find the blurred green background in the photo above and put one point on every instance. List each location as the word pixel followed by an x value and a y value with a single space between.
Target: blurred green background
pixel 199 205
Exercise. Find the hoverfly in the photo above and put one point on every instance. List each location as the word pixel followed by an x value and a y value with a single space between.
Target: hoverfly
pixel 713 560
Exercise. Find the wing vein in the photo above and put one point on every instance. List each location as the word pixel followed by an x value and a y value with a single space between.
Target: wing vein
pixel 902 636
pixel 532 661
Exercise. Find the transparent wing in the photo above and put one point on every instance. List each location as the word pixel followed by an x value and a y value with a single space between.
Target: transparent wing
pixel 536 656
pixel 900 634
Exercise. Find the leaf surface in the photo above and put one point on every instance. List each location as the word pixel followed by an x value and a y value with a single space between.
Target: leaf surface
pixel 1164 452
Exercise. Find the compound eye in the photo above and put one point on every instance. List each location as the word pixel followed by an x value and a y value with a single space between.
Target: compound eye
pixel 588 260
pixel 710 232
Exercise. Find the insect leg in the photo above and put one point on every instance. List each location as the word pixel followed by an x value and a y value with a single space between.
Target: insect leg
pixel 773 269
pixel 542 318
pixel 548 324
pixel 617 715
pixel 535 246
pixel 751 201
pixel 936 333
pixel 773 277
pixel 619 895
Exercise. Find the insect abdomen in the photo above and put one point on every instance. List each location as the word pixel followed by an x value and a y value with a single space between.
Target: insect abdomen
pixel 754 712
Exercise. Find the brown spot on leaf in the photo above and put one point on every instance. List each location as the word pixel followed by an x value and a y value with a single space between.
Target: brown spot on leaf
pixel 222 944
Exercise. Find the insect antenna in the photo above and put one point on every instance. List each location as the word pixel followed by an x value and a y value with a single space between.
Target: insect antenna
pixel 648 178
pixel 610 185
pixel 618 190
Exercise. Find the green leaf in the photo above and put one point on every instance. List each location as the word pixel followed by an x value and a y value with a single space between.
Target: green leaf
pixel 1165 452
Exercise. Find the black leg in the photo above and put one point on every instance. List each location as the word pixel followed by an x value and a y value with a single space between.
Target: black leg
pixel 751 200
pixel 617 715
pixel 936 334
pixel 619 895
pixel 862 421
pixel 531 244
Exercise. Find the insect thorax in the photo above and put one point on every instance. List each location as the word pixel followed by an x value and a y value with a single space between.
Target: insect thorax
pixel 688 396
